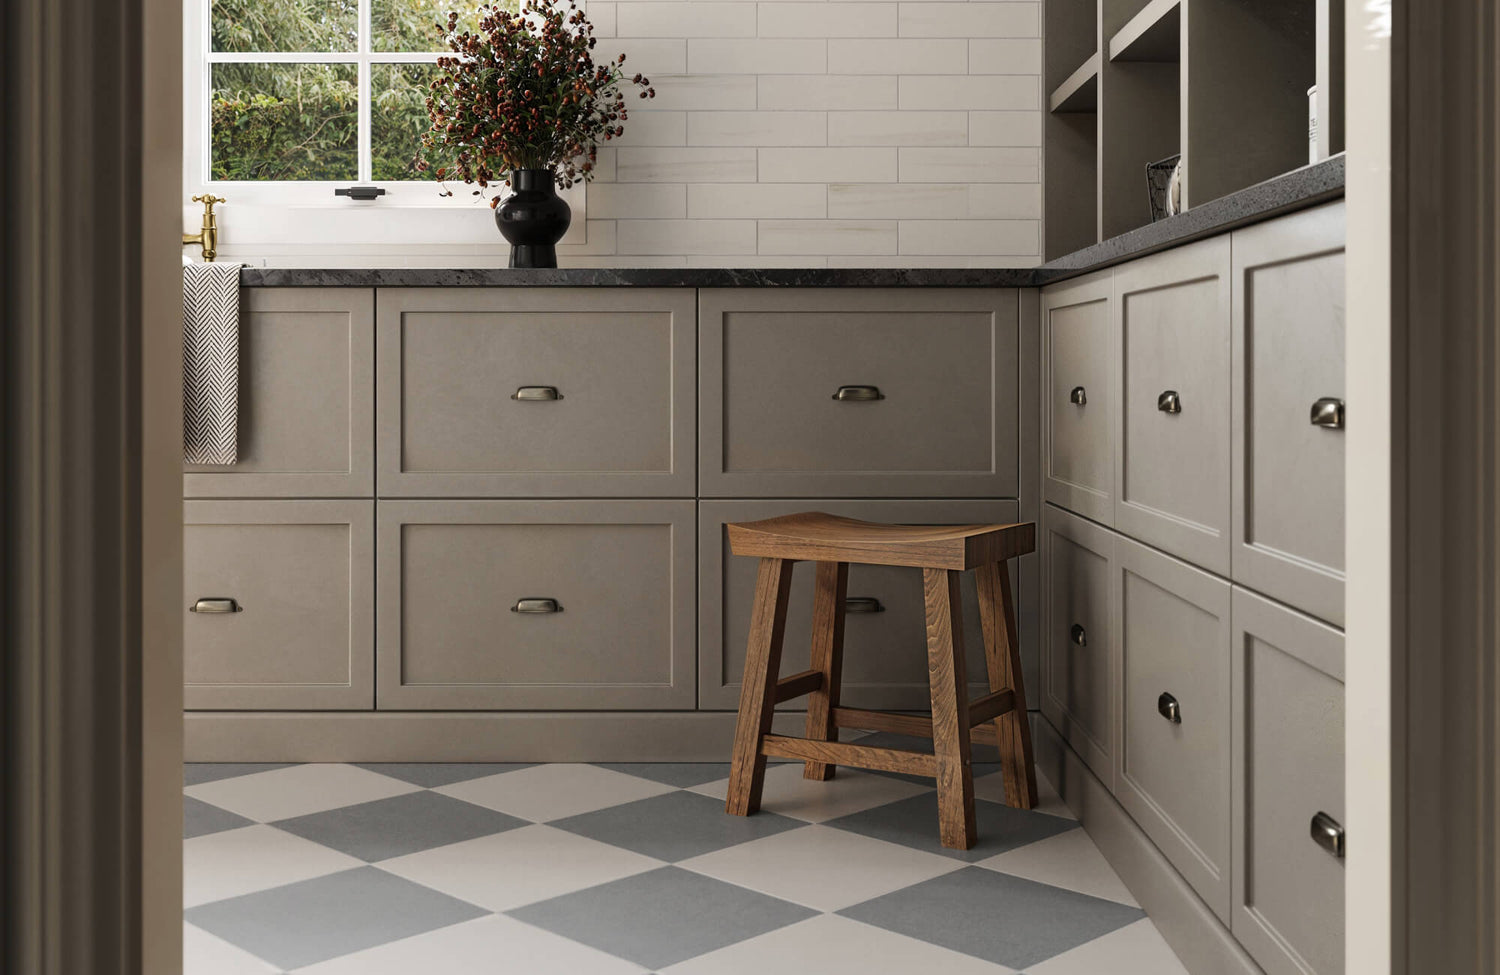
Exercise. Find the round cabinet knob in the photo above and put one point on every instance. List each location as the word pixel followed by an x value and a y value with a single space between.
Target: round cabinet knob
pixel 1328 412
pixel 1078 635
pixel 1168 708
pixel 1328 833
pixel 1169 402
pixel 1078 397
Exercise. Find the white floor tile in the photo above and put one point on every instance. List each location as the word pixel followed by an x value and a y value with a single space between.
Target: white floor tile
pixel 992 787
pixel 1136 949
pixel 833 945
pixel 547 792
pixel 520 866
pixel 822 868
pixel 787 793
pixel 203 954
pixel 242 861
pixel 1069 860
pixel 296 791
pixel 493 945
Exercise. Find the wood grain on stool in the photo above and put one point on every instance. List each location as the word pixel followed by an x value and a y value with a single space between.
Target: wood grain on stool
pixel 1002 654
pixel 832 586
pixel 949 683
pixel 773 586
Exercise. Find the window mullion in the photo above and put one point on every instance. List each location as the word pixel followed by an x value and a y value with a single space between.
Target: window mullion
pixel 365 165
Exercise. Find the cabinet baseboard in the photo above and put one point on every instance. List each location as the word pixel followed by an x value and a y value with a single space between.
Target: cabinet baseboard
pixel 1192 930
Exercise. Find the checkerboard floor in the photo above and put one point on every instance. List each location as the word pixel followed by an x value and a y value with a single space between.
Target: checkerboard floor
pixel 604 869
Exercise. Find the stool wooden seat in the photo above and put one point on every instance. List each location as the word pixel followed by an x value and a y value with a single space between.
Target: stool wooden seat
pixel 942 552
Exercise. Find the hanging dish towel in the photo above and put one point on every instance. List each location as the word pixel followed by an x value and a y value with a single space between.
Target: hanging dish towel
pixel 210 362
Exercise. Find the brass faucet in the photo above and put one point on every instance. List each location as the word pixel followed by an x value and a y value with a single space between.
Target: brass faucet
pixel 208 237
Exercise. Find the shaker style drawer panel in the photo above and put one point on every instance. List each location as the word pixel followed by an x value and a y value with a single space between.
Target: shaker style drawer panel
pixel 1288 443
pixel 306 395
pixel 1288 789
pixel 1172 433
pixel 530 391
pixel 279 605
pixel 525 605
pixel 1078 687
pixel 1078 397
pixel 859 393
pixel 1172 765
pixel 885 660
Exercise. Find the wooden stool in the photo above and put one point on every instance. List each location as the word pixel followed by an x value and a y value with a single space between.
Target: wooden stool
pixel 942 552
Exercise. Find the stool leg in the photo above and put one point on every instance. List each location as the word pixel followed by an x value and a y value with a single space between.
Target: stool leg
pixel 758 691
pixel 950 707
pixel 827 659
pixel 1003 655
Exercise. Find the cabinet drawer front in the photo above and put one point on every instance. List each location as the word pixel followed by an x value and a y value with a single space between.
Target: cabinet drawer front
pixel 929 407
pixel 1173 776
pixel 885 661
pixel 1288 767
pixel 1288 356
pixel 279 603
pixel 305 399
pixel 1172 472
pixel 559 392
pixel 1078 444
pixel 455 633
pixel 1078 685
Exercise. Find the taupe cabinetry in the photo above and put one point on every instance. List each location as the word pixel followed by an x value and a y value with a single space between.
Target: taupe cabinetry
pixel 884 667
pixel 535 604
pixel 562 392
pixel 1172 317
pixel 305 398
pixel 279 604
pixel 1288 788
pixel 1288 421
pixel 1078 397
pixel 1172 767
pixel 833 393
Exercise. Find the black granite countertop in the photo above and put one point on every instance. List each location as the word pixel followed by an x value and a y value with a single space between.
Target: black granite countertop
pixel 1299 188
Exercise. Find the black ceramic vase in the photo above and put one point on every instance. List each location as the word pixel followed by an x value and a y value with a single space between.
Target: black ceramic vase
pixel 533 218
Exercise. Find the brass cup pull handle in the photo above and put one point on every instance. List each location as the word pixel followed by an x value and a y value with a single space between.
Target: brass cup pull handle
pixel 1079 635
pixel 1078 397
pixel 1328 412
pixel 1169 402
pixel 1328 833
pixel 215 605
pixel 536 394
pixel 858 394
pixel 533 605
pixel 1168 708
pixel 863 604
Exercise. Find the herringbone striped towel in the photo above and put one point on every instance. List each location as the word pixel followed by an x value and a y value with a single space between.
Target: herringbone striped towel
pixel 210 362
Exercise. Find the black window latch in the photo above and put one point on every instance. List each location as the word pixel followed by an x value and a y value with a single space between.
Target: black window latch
pixel 360 192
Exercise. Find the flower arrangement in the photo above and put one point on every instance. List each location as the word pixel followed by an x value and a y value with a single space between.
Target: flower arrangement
pixel 522 92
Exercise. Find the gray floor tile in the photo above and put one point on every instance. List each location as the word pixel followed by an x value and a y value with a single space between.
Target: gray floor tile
pixel 200 818
pixel 399 825
pixel 430 775
pixel 315 920
pixel 993 916
pixel 198 773
pixel 662 917
pixel 674 826
pixel 684 775
pixel 914 822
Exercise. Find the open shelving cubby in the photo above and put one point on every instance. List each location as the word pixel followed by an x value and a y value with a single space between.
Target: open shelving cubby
pixel 1223 83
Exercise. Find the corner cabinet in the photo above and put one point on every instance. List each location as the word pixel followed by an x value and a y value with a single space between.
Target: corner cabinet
pixel 1192 603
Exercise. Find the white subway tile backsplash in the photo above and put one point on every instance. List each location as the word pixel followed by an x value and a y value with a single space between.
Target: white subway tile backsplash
pixel 898 128
pixel 756 260
pixel 1005 201
pixel 972 92
pixel 828 165
pixel 939 201
pixel 685 18
pixel 898 56
pixel 637 200
pixel 686 236
pixel 970 237
pixel 602 15
pixel 828 236
pixel 702 92
pixel 1005 128
pixel 997 55
pixel 970 19
pixel 969 165
pixel 651 56
pixel 758 56
pixel 599 239
pixel 825 92
pixel 757 129
pixel 751 200
pixel 826 20
pixel 689 165
pixel 649 127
